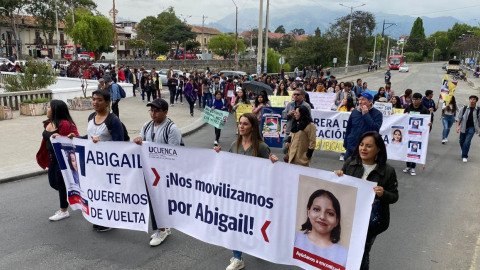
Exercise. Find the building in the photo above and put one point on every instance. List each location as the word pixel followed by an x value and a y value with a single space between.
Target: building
pixel 402 39
pixel 204 34
pixel 122 38
pixel 31 39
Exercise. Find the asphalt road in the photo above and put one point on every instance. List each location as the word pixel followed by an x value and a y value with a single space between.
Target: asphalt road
pixel 434 225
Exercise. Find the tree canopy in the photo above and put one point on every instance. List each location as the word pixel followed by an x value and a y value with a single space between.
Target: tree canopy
pixel 280 29
pixel 177 34
pixel 224 45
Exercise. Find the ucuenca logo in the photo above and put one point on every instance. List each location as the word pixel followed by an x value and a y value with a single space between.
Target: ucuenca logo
pixel 161 152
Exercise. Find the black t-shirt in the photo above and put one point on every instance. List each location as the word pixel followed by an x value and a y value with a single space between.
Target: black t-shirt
pixel 470 118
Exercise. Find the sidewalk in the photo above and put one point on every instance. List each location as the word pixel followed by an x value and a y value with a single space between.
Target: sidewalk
pixel 21 136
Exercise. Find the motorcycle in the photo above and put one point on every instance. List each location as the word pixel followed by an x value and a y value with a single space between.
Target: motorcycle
pixel 476 74
pixel 459 76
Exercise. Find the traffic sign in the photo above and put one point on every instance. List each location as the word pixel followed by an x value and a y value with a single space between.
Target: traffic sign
pixel 334 60
pixel 281 61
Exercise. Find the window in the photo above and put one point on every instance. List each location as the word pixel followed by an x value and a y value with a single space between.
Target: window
pixel 205 41
pixel 121 43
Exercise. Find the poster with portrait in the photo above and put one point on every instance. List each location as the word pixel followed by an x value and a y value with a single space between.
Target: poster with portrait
pixel 397 135
pixel 283 129
pixel 414 150
pixel 272 126
pixel 415 127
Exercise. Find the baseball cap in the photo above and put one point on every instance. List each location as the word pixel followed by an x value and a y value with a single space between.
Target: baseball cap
pixel 298 79
pixel 159 104
pixel 107 78
pixel 239 89
pixel 235 81
pixel 367 95
pixel 101 80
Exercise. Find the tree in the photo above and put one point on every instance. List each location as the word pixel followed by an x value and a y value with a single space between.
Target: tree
pixel 280 29
pixel 316 51
pixel 177 34
pixel 135 44
pixel 444 44
pixel 363 24
pixel 94 41
pixel 224 45
pixel 297 31
pixel 44 14
pixel 159 47
pixel 416 41
pixel 318 32
pixel 192 45
pixel 149 28
pixel 35 76
pixel 273 65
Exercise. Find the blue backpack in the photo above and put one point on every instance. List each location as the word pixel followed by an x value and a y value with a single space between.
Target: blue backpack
pixel 122 92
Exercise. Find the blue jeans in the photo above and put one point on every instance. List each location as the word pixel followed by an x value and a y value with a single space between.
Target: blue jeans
pixel 466 140
pixel 207 99
pixel 237 254
pixel 447 121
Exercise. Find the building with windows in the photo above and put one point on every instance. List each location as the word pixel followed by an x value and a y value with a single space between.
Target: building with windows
pixel 204 34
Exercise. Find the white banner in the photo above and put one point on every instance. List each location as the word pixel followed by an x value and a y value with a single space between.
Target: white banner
pixel 258 207
pixel 105 180
pixel 405 135
pixel 322 101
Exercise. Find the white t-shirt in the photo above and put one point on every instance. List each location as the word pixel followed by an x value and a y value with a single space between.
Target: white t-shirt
pixel 367 169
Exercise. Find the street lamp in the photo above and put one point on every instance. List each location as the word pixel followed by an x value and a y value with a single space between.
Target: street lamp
pixel 349 32
pixel 236 34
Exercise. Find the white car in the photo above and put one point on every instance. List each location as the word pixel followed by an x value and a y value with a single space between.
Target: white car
pixel 6 61
pixel 403 68
pixel 85 57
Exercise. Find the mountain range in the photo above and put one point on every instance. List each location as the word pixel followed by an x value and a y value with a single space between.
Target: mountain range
pixel 311 17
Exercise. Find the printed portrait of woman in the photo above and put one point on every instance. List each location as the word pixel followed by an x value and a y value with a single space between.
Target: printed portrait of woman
pixel 397 137
pixel 414 148
pixel 415 124
pixel 321 231
pixel 72 162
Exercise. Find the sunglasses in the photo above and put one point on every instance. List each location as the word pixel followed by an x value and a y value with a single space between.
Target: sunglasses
pixel 296 95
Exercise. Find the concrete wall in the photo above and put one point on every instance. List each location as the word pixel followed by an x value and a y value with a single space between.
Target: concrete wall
pixel 68 88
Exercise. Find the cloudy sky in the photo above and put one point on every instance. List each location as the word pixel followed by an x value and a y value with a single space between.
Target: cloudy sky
pixel 193 10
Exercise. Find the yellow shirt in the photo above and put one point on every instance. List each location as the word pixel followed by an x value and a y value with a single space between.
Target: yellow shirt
pixel 342 109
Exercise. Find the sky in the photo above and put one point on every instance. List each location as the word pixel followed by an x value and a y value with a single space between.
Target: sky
pixel 193 10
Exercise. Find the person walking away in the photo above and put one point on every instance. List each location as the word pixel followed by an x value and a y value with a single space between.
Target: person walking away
pixel 406 99
pixel 158 86
pixel 415 108
pixel 449 113
pixel 180 86
pixel 260 103
pixel 429 103
pixel 114 93
pixel 302 139
pixel 249 143
pixel 159 130
pixel 369 162
pixel 148 86
pixel 102 126
pixel 59 123
pixel 364 118
pixel 467 125
pixel 172 87
pixel 289 112
pixel 218 103
pixel 190 94
pixel 143 84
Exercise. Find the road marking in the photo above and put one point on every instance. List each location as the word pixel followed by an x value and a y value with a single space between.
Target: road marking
pixel 475 255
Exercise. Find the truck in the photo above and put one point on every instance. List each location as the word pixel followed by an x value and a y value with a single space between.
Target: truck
pixel 453 66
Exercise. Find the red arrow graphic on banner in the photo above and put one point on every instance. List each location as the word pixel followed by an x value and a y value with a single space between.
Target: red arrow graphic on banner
pixel 157 177
pixel 263 230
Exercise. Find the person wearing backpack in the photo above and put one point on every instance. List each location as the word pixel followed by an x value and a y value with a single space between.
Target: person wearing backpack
pixel 467 125
pixel 159 130
pixel 218 103
pixel 103 126
pixel 114 94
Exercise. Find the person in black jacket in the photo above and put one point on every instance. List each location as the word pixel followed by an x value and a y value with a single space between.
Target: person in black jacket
pixel 143 84
pixel 172 87
pixel 415 108
pixel 369 162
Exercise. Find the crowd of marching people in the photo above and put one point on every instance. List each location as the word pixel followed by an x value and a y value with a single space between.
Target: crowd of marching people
pixel 365 157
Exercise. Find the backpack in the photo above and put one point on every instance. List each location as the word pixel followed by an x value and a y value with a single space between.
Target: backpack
pixel 465 107
pixel 122 92
pixel 165 133
pixel 108 123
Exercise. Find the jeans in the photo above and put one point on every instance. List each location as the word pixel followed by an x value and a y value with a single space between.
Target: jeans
pixel 217 133
pixel 179 93
pixel 237 254
pixel 366 254
pixel 466 140
pixel 200 101
pixel 55 179
pixel 412 165
pixel 191 102
pixel 115 109
pixel 207 99
pixel 172 95
pixel 447 121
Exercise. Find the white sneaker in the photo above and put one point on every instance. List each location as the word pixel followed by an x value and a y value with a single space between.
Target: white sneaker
pixel 406 170
pixel 412 173
pixel 235 264
pixel 182 103
pixel 158 238
pixel 59 215
pixel 215 143
pixel 342 158
pixel 465 160
pixel 444 141
pixel 173 105
pixel 167 230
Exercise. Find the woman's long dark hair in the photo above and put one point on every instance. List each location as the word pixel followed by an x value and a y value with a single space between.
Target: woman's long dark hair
pixel 256 136
pixel 350 104
pixel 265 96
pixel 60 112
pixel 307 100
pixel 305 117
pixel 397 105
pixel 454 106
pixel 307 226
pixel 244 98
pixel 257 102
pixel 381 159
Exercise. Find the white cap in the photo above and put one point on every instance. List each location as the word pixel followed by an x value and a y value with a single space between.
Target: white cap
pixel 298 79
pixel 235 81
pixel 239 89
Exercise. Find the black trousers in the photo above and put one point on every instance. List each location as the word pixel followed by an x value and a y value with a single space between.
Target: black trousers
pixel 179 93
pixel 115 108
pixel 172 95
pixel 412 165
pixel 366 254
pixel 191 102
pixel 55 179
pixel 149 95
pixel 217 133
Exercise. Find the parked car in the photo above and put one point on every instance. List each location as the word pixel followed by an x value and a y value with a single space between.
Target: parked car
pixel 403 68
pixel 161 58
pixel 229 73
pixel 6 61
pixel 163 74
pixel 97 65
pixel 85 57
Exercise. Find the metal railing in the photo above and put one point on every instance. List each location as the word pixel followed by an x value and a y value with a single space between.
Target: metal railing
pixel 13 99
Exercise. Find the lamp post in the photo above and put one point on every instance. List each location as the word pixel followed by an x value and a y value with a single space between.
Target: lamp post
pixel 236 35
pixel 349 33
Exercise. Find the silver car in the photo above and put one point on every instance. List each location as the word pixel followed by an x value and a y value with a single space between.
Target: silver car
pixel 163 74
pixel 403 68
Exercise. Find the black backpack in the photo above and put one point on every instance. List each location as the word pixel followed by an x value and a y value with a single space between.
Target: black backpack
pixel 108 123
pixel 165 133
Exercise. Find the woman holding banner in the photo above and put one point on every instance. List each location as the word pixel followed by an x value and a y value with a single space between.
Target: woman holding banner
pixel 218 104
pixel 369 162
pixel 59 123
pixel 240 99
pixel 449 113
pixel 302 139
pixel 249 143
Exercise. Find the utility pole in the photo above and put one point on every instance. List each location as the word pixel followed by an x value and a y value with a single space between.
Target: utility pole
pixel 203 31
pixel 75 57
pixel 349 33
pixel 388 52
pixel 375 46
pixel 115 56
pixel 260 39
pixel 433 58
pixel 266 37
pixel 58 34
pixel 403 45
pixel 383 34
pixel 236 35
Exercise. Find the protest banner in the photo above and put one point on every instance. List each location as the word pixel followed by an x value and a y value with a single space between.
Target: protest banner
pixel 385 108
pixel 405 135
pixel 279 101
pixel 216 118
pixel 273 127
pixel 322 101
pixel 400 111
pixel 243 108
pixel 259 210
pixel 105 180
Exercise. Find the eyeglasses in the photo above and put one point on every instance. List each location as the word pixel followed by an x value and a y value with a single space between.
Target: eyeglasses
pixel 296 95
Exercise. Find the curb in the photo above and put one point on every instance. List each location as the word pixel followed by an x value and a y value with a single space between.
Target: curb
pixel 193 127
pixel 22 176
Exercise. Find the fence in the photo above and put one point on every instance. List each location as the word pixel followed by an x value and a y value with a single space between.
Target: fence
pixel 338 71
pixel 13 99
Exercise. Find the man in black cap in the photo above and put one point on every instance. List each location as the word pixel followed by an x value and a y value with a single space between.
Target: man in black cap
pixel 159 130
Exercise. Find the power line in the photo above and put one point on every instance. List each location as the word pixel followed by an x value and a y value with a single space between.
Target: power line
pixel 326 8
pixel 428 12
pixel 243 6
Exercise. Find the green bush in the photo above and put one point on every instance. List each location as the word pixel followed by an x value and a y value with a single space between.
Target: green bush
pixel 37 100
pixel 35 76
pixel 413 57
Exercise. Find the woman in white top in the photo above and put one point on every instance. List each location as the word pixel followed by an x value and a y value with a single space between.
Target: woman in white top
pixel 448 117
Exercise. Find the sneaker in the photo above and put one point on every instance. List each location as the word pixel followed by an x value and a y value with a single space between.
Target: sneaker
pixel 342 157
pixel 95 226
pixel 103 229
pixel 465 160
pixel 235 264
pixel 413 172
pixel 444 141
pixel 215 143
pixel 191 114
pixel 59 215
pixel 406 170
pixel 173 105
pixel 167 230
pixel 181 103
pixel 158 238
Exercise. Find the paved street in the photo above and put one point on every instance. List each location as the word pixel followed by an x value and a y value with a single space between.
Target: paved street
pixel 434 225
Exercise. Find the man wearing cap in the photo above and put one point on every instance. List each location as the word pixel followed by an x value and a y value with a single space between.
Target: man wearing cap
pixel 114 93
pixel 364 118
pixel 159 130
pixel 289 112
